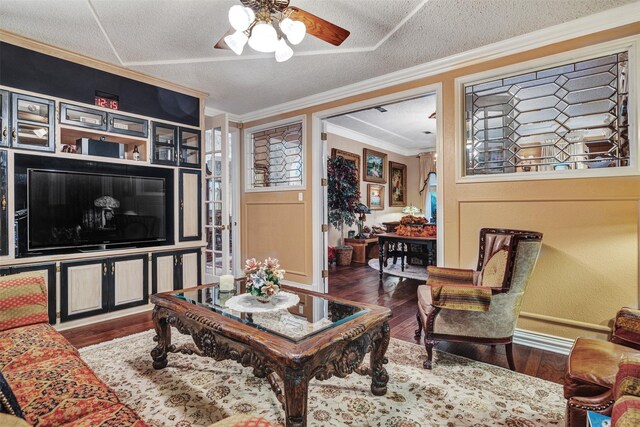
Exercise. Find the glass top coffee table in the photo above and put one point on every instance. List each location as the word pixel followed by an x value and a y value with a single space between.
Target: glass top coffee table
pixel 318 336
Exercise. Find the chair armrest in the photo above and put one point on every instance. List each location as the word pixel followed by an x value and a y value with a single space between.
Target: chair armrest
pixel 454 296
pixel 601 403
pixel 626 328
pixel 442 275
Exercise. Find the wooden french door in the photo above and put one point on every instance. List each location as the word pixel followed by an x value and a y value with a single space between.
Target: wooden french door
pixel 222 160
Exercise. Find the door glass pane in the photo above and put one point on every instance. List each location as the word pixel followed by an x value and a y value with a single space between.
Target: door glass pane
pixel 190 139
pixel 33 111
pixel 190 155
pixel 83 117
pixel 164 153
pixel 129 125
pixel 33 135
pixel 164 135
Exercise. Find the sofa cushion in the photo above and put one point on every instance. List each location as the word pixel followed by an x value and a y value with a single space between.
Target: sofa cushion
pixel 31 344
pixel 592 366
pixel 59 390
pixel 7 420
pixel 627 379
pixel 23 300
pixel 8 402
pixel 626 412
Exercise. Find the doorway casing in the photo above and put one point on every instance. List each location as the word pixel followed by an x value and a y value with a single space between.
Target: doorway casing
pixel 319 156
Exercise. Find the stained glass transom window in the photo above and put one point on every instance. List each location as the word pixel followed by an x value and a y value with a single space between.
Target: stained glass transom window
pixel 572 116
pixel 277 157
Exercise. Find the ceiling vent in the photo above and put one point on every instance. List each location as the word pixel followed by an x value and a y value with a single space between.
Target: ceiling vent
pixel 427 132
pixel 381 109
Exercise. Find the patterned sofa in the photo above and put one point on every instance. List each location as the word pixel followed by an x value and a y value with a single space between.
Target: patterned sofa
pixel 44 373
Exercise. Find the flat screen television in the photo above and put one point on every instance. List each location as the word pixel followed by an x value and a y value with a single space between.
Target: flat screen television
pixel 72 206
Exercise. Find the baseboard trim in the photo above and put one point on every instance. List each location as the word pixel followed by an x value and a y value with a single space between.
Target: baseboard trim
pixel 542 341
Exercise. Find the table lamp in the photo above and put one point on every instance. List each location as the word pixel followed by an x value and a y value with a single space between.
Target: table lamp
pixel 363 210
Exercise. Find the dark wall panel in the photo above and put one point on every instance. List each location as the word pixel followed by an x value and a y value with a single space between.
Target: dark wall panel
pixel 33 71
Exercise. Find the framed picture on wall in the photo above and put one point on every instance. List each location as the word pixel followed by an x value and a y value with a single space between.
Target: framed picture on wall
pixel 355 158
pixel 375 197
pixel 397 184
pixel 375 166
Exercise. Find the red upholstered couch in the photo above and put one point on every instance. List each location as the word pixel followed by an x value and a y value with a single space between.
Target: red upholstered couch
pixel 51 383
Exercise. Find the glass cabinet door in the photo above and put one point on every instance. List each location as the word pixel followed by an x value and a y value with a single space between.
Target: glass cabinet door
pixel 127 125
pixel 4 118
pixel 83 117
pixel 189 148
pixel 33 123
pixel 4 200
pixel 164 143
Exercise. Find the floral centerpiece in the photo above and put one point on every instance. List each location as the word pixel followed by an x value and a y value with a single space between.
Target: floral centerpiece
pixel 263 278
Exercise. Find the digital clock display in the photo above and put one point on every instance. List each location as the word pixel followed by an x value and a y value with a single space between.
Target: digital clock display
pixel 112 104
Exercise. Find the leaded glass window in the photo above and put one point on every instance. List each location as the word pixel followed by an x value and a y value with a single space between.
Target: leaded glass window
pixel 277 157
pixel 572 116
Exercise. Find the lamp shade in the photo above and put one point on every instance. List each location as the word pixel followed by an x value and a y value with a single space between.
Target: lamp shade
pixel 294 30
pixel 283 51
pixel 236 41
pixel 263 38
pixel 241 17
pixel 362 208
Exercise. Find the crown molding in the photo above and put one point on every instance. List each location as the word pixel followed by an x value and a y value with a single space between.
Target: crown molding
pixel 211 112
pixel 601 21
pixel 374 142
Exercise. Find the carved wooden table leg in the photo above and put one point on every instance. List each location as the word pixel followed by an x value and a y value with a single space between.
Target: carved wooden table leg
pixel 163 338
pixel 296 385
pixel 379 376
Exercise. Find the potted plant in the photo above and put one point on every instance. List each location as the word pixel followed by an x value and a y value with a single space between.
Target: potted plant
pixel 344 196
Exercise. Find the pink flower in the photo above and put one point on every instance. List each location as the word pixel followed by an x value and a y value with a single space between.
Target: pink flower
pixel 251 265
pixel 270 288
pixel 272 263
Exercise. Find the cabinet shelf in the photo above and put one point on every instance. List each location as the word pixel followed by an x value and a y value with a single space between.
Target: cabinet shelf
pixel 69 135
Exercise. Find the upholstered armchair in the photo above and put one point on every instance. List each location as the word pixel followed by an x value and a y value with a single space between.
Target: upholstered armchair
pixel 482 305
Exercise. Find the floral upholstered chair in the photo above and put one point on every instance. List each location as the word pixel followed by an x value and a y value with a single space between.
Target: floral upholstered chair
pixel 481 305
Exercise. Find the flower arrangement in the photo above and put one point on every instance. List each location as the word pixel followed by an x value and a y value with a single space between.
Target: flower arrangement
pixel 263 278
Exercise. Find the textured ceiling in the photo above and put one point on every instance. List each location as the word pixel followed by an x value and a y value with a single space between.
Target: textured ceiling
pixel 401 127
pixel 173 39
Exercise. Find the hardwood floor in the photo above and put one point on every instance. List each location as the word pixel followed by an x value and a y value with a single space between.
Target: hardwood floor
pixel 360 283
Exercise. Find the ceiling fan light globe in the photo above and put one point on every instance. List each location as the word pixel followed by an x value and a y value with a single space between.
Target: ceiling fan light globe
pixel 240 17
pixel 236 41
pixel 294 30
pixel 263 38
pixel 283 51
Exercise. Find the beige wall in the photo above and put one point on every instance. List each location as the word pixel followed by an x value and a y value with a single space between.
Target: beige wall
pixel 388 213
pixel 588 266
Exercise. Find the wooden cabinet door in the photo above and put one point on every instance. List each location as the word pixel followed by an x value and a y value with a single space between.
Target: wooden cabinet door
pixel 164 267
pixel 4 200
pixel 48 271
pixel 190 189
pixel 83 289
pixel 129 281
pixel 190 268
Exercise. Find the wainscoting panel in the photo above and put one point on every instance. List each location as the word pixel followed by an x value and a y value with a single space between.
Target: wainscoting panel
pixel 278 230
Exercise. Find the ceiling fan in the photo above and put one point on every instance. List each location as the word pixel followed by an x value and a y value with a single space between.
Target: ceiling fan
pixel 267 25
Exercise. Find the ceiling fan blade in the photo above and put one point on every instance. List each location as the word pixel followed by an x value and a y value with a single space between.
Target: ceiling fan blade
pixel 221 43
pixel 318 27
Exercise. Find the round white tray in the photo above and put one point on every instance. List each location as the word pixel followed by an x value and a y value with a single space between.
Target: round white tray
pixel 247 303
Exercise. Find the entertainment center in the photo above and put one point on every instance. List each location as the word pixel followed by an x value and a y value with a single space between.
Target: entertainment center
pixel 101 181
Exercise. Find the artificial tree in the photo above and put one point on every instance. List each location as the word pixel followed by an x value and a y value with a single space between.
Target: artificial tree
pixel 344 196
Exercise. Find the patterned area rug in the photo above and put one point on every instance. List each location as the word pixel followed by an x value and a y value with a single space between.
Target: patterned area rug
pixel 195 391
pixel 410 271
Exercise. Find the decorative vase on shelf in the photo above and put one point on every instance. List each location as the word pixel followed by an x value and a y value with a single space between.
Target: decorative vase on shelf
pixel 263 278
